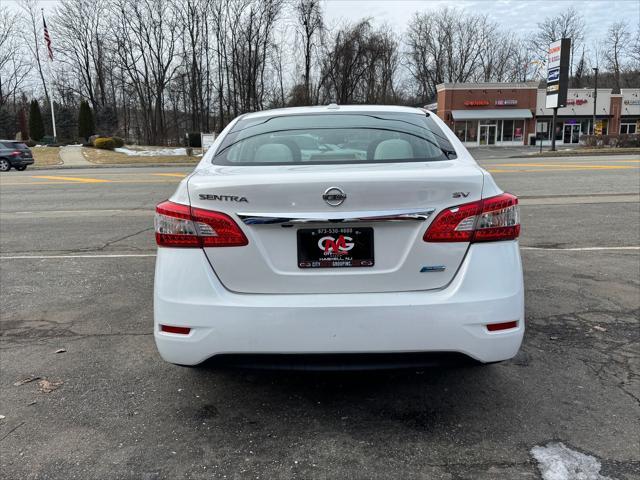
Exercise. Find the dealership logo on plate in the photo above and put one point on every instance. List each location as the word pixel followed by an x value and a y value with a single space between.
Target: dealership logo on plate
pixel 332 246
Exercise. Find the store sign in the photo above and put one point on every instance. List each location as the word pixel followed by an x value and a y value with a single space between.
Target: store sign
pixel 632 102
pixel 506 103
pixel 576 101
pixel 206 140
pixel 558 73
pixel 476 103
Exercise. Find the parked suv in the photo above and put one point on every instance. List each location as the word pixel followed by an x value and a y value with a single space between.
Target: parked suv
pixel 14 154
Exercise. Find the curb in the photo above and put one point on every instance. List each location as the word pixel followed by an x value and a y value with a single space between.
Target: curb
pixel 595 153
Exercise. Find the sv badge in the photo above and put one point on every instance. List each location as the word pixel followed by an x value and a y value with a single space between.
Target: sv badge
pixel 460 194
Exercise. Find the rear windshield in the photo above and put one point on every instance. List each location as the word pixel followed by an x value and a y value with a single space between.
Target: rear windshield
pixel 334 138
pixel 15 145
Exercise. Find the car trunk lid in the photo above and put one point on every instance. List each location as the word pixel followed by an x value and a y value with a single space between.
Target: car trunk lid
pixel 286 214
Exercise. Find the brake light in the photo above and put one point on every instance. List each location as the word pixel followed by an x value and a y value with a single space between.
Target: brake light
pixel 179 225
pixel 487 220
pixel 15 153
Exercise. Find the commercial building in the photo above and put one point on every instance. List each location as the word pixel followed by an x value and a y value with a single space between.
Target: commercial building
pixel 515 113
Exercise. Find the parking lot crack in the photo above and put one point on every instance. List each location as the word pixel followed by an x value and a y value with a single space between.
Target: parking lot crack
pixel 120 239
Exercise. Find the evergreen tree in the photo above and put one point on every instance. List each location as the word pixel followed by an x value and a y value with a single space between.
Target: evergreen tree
pixel 86 126
pixel 36 126
pixel 22 125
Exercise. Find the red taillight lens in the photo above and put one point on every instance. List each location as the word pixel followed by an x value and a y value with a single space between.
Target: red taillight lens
pixel 172 329
pixel 490 219
pixel 495 327
pixel 179 225
pixel 15 153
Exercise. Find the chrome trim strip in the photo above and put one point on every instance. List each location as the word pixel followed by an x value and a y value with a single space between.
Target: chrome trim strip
pixel 418 215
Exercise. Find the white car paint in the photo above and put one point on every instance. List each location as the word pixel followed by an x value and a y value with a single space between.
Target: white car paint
pixel 255 299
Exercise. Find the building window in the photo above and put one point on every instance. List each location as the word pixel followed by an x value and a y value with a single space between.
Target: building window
pixel 559 130
pixel 460 129
pixel 585 127
pixel 472 131
pixel 543 129
pixel 628 127
pixel 518 130
pixel 507 131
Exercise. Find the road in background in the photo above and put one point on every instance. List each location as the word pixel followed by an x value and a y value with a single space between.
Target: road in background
pixel 120 412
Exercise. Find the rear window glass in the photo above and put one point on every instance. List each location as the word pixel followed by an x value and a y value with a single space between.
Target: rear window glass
pixel 334 138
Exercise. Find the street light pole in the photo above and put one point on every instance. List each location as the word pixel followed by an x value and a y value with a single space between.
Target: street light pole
pixel 595 98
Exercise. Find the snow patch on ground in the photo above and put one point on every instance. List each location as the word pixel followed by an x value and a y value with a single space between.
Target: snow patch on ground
pixel 161 152
pixel 558 462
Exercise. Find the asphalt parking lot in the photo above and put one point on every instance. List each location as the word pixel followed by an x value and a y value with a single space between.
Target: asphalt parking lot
pixel 76 274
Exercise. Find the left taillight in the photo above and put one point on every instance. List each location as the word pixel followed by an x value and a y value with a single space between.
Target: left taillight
pixel 491 219
pixel 181 226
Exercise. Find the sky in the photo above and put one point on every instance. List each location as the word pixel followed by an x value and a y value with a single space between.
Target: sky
pixel 519 16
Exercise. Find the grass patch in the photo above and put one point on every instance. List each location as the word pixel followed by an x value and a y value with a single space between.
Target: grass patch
pixel 46 155
pixel 95 155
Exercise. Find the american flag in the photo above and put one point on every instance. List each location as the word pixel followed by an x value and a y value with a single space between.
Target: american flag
pixel 47 39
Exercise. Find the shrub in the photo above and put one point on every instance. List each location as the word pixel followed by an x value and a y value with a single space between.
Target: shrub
pixel 46 140
pixel 106 143
pixel 629 140
pixel 36 125
pixel 30 143
pixel 118 141
pixel 93 138
pixel 623 140
pixel 194 140
pixel 86 126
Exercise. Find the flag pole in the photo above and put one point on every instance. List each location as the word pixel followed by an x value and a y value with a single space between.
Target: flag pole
pixel 47 40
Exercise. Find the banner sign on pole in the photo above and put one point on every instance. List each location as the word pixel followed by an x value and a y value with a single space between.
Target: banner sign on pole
pixel 558 73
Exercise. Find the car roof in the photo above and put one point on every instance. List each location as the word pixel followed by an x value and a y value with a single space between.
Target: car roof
pixel 334 108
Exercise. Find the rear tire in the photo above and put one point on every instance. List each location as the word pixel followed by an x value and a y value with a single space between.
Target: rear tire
pixel 21 168
pixel 5 166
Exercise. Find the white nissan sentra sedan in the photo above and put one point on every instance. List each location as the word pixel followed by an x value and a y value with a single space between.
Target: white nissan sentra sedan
pixel 338 230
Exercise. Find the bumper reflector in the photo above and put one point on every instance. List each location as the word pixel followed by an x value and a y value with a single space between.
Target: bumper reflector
pixel 172 329
pixel 493 327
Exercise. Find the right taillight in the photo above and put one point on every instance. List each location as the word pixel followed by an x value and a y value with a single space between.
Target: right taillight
pixel 487 220
pixel 179 225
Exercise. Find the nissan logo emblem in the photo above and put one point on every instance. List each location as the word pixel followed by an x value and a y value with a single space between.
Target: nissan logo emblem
pixel 334 196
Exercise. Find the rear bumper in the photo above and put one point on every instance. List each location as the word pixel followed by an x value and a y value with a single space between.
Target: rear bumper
pixel 21 162
pixel 488 288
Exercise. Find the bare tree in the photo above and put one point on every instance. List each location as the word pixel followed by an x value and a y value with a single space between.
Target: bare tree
pixel 617 43
pixel 80 27
pixel 568 24
pixel 145 41
pixel 310 27
pixel 14 67
pixel 32 37
pixel 444 46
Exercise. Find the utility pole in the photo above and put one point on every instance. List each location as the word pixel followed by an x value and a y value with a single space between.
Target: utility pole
pixel 595 98
pixel 553 130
